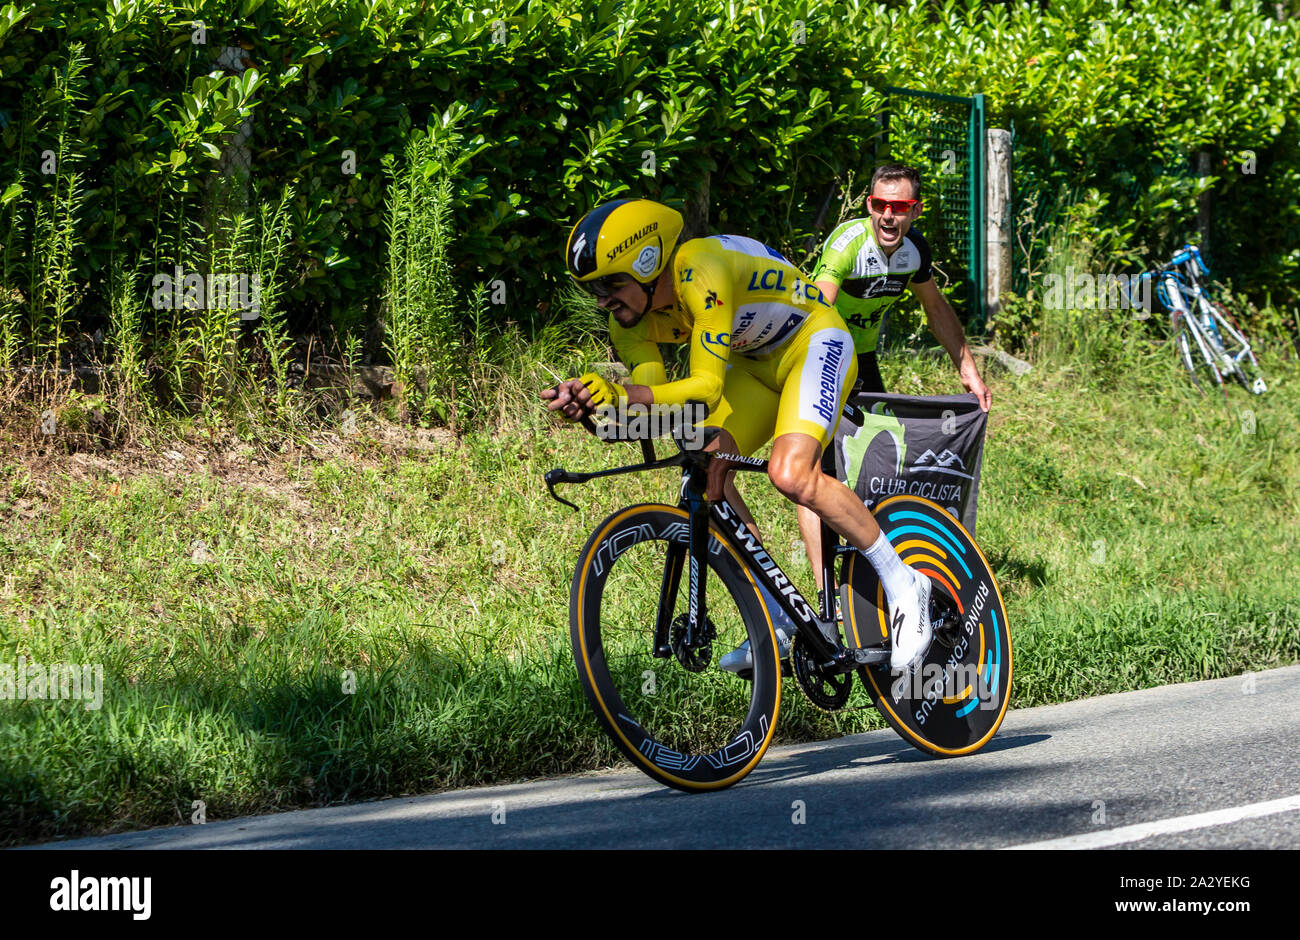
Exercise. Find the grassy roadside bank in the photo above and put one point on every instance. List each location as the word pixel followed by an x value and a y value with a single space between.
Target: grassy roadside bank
pixel 1140 536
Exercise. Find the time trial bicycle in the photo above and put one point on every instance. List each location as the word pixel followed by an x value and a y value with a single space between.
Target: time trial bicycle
pixel 646 651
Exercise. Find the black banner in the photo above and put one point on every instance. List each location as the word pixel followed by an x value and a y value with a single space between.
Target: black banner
pixel 891 445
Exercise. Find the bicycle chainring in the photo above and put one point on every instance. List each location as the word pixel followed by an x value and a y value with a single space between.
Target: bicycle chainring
pixel 828 692
pixel 697 656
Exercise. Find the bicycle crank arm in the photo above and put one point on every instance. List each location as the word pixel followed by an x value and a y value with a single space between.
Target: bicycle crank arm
pixel 871 657
pixel 848 658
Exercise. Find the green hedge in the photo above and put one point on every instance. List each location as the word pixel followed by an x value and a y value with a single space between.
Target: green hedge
pixel 560 102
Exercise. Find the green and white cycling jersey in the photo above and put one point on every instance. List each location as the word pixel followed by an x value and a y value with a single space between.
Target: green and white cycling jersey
pixel 868 280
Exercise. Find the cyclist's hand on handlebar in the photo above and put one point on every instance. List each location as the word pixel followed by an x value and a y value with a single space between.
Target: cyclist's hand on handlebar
pixel 603 392
pixel 571 399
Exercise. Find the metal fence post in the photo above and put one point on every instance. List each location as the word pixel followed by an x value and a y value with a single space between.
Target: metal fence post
pixel 977 268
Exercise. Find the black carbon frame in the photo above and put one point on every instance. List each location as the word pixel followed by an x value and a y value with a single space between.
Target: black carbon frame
pixel 701 510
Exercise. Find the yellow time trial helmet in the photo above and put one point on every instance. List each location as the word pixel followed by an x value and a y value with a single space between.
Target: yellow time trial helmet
pixel 632 237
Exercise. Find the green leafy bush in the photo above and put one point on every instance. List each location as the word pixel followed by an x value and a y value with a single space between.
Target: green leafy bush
pixel 751 111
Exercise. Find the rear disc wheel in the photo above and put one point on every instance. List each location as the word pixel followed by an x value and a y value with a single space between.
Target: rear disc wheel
pixel 956 699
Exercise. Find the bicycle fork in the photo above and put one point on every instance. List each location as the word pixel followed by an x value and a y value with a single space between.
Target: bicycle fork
pixel 692 557
pixel 1193 326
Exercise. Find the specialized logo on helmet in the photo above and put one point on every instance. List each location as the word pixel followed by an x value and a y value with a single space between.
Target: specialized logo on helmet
pixel 647 261
pixel 630 241
pixel 580 244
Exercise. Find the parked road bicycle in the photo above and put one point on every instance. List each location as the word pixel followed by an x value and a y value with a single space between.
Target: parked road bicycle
pixel 1209 341
pixel 647 651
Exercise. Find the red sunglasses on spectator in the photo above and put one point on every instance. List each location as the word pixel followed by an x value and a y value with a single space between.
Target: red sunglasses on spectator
pixel 898 205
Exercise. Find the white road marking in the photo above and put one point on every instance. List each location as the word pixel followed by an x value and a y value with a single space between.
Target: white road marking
pixel 1218 817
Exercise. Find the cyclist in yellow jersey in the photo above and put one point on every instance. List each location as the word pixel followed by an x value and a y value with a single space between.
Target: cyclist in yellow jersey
pixel 769 356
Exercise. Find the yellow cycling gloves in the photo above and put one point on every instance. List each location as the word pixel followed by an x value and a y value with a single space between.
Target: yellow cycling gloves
pixel 604 392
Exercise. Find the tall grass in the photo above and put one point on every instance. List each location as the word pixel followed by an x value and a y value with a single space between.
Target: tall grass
pixel 510 368
pixel 12 217
pixel 39 213
pixel 127 376
pixel 1079 335
pixel 211 374
pixel 215 327
pixel 55 221
pixel 167 361
pixel 422 302
pixel 267 264
pixel 176 357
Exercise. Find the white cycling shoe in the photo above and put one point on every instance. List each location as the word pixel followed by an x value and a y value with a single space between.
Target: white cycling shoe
pixel 911 630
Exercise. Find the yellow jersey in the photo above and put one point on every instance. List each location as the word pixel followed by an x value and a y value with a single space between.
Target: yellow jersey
pixel 735 296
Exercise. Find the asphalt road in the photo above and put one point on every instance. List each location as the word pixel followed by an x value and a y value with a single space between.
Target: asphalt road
pixel 1091 773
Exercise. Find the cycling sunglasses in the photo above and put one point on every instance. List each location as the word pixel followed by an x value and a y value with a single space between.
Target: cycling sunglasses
pixel 604 286
pixel 898 205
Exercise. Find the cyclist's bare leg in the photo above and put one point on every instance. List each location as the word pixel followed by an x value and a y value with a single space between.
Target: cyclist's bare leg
pixel 795 469
pixel 810 529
